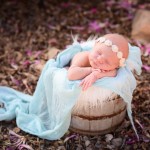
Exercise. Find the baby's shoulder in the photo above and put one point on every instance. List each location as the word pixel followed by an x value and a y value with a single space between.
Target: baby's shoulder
pixel 80 59
pixel 83 54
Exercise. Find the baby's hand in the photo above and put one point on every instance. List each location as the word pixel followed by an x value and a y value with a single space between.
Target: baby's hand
pixel 98 70
pixel 88 81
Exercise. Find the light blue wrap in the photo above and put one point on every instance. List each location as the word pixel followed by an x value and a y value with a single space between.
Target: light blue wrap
pixel 47 113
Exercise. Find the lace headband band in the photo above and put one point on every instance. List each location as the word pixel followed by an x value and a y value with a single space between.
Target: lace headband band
pixel 114 48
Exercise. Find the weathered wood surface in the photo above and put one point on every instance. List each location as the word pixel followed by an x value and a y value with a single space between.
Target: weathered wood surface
pixel 97 111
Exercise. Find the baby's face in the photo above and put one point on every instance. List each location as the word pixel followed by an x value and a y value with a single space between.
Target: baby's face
pixel 102 57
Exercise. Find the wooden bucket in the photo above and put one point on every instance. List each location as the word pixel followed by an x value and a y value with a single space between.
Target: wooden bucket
pixel 97 111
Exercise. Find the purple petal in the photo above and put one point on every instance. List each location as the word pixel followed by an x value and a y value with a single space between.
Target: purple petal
pixel 131 141
pixel 29 52
pixel 93 10
pixel 13 133
pixel 51 27
pixel 142 6
pixel 65 5
pixel 15 81
pixel 37 53
pixel 37 62
pixel 138 43
pixel 145 139
pixel 146 67
pixel 137 121
pixel 25 146
pixel 109 3
pixel 147 49
pixel 10 148
pixel 17 143
pixel 14 65
pixel 68 138
pixel 26 63
pixel 125 4
pixel 130 16
pixel 76 27
pixel 95 26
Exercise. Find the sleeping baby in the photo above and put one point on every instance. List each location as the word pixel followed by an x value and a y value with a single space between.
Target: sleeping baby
pixel 108 54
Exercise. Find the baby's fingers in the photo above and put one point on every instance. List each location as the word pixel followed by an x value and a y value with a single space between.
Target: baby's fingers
pixel 86 85
pixel 82 82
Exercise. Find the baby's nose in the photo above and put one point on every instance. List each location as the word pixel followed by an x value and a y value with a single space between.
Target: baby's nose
pixel 100 59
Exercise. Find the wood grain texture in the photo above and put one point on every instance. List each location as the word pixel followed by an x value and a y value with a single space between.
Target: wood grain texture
pixel 103 117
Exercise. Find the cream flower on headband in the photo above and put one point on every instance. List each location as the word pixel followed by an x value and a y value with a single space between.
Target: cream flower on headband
pixel 108 43
pixel 114 48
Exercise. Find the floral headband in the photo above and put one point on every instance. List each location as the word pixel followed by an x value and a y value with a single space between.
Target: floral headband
pixel 114 49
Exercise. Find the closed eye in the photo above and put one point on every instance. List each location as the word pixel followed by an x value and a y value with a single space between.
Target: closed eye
pixel 99 51
pixel 107 62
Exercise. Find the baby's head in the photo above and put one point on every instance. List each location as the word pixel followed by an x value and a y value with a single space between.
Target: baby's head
pixel 109 52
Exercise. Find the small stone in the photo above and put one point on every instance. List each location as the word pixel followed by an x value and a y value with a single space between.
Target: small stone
pixel 42 147
pixel 85 138
pixel 110 147
pixel 56 144
pixel 87 143
pixel 1 137
pixel 76 138
pixel 89 148
pixel 109 137
pixel 60 142
pixel 79 147
pixel 98 145
pixel 117 142
pixel 51 148
pixel 61 148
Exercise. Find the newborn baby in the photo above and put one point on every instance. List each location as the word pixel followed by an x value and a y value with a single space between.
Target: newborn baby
pixel 108 54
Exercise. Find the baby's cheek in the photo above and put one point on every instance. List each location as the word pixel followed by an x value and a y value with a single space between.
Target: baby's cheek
pixel 106 67
pixel 90 56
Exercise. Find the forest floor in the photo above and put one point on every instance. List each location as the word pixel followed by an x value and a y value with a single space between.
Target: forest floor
pixel 29 31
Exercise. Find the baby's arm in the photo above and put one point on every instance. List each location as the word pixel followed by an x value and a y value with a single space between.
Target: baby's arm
pixel 77 73
pixel 95 75
pixel 78 69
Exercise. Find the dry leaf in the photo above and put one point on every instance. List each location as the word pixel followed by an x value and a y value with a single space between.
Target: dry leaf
pixel 38 66
pixel 16 130
pixel 52 52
